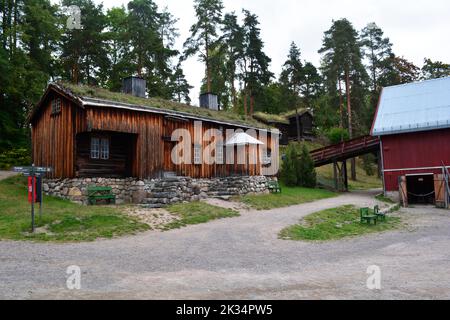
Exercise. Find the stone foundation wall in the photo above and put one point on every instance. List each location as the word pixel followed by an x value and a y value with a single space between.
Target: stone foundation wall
pixel 158 192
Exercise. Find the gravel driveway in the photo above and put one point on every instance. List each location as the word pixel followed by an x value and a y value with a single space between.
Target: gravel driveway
pixel 240 258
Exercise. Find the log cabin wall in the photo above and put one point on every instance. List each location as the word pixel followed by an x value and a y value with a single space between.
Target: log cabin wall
pixel 54 139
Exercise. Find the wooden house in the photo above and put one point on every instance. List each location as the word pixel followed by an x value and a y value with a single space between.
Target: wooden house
pixel 292 125
pixel 83 131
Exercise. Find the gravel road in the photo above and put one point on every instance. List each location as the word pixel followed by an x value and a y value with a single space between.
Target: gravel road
pixel 240 258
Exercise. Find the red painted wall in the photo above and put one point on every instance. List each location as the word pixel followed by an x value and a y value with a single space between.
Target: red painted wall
pixel 414 150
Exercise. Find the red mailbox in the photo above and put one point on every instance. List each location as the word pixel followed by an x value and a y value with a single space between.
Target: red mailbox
pixel 30 189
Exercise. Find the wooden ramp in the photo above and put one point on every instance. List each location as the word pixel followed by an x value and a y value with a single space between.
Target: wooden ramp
pixel 338 154
pixel 345 150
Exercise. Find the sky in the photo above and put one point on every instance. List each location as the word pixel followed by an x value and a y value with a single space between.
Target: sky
pixel 417 28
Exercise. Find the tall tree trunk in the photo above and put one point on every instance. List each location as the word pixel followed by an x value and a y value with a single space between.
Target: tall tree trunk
pixel 252 103
pixel 297 118
pixel 350 125
pixel 245 100
pixel 208 67
pixel 341 106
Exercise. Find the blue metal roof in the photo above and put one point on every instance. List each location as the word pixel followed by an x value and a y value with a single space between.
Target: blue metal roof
pixel 419 106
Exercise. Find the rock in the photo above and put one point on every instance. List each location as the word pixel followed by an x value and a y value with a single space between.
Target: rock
pixel 46 187
pixel 74 192
pixel 138 196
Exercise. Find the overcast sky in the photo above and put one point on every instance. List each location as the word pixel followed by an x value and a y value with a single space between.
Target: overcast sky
pixel 417 28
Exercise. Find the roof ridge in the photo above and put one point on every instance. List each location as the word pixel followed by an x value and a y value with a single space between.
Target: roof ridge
pixel 417 82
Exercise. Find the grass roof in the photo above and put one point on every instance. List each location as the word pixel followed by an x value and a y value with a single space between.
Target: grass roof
pixel 277 118
pixel 104 94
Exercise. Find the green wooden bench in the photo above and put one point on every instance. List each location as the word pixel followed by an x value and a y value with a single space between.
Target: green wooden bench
pixel 380 215
pixel 274 187
pixel 96 194
pixel 366 217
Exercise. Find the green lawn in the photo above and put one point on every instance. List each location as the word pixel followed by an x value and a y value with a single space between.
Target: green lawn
pixel 336 223
pixel 288 197
pixel 62 220
pixel 196 213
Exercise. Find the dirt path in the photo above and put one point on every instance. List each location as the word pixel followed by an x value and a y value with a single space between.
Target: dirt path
pixel 240 258
pixel 6 174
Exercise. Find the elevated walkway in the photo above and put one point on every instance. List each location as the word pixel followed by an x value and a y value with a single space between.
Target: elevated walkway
pixel 338 154
pixel 345 150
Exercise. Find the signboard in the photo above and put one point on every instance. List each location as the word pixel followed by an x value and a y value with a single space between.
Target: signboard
pixel 35 177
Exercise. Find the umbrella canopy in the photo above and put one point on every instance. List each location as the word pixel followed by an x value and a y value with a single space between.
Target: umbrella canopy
pixel 243 138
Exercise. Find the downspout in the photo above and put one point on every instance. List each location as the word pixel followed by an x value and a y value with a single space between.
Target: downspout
pixel 382 166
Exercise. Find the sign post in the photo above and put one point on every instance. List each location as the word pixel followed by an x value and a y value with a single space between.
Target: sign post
pixel 36 192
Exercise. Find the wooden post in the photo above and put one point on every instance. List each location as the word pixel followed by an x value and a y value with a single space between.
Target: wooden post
pixel 344 172
pixel 335 172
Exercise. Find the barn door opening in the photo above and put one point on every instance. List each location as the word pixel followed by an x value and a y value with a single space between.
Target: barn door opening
pixel 421 189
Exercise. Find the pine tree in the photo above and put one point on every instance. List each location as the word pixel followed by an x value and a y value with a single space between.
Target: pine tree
pixel 233 43
pixel 180 86
pixel 204 37
pixel 84 52
pixel 290 167
pixel 342 61
pixel 306 175
pixel 255 62
pixel 435 69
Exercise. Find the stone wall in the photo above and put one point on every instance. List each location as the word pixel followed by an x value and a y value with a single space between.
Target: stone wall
pixel 160 192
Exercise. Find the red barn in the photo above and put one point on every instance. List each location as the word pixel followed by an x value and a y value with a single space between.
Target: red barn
pixel 413 123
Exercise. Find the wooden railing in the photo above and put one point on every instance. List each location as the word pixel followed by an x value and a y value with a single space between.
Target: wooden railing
pixel 343 150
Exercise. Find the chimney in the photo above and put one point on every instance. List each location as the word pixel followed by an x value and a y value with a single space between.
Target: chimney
pixel 209 101
pixel 135 86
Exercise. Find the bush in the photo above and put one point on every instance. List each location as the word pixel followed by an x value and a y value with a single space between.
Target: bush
pixel 297 168
pixel 337 135
pixel 306 175
pixel 369 164
pixel 15 157
pixel 289 167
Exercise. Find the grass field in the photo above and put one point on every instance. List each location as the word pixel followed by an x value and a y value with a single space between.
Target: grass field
pixel 334 224
pixel 61 221
pixel 196 213
pixel 288 197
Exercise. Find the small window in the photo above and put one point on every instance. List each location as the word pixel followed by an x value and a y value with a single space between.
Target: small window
pixel 198 154
pixel 95 148
pixel 104 149
pixel 100 148
pixel 56 106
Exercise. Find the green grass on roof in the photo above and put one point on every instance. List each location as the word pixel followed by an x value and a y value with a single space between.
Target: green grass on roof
pixel 267 117
pixel 100 93
pixel 276 118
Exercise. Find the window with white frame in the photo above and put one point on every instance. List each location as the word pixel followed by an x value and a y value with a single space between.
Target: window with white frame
pixel 100 148
pixel 95 148
pixel 104 149
pixel 198 154
pixel 56 106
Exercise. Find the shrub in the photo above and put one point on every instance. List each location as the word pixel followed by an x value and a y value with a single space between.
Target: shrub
pixel 15 157
pixel 289 167
pixel 297 168
pixel 306 175
pixel 369 164
pixel 337 135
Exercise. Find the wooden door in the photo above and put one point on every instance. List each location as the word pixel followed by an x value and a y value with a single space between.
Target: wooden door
pixel 439 189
